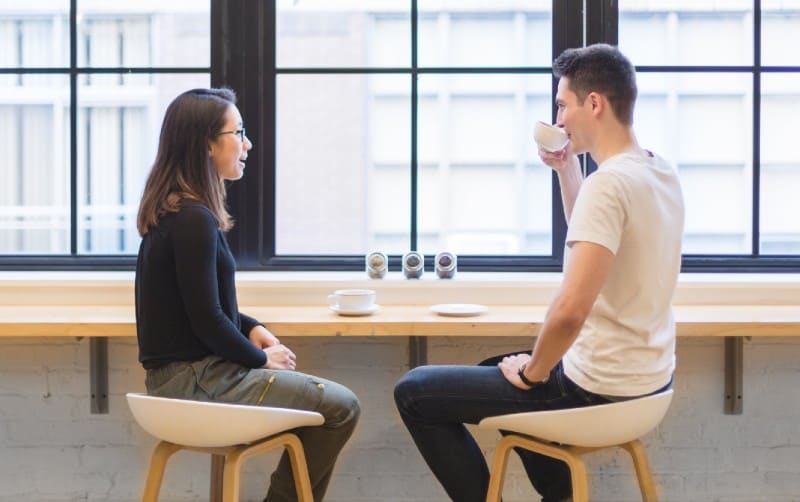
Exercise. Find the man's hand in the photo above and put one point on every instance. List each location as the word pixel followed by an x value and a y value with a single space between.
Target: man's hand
pixel 510 366
pixel 560 161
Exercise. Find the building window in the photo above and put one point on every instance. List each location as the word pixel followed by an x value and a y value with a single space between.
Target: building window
pixel 84 87
pixel 392 125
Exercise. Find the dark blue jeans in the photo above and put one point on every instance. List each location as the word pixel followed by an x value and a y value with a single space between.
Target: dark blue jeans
pixel 436 401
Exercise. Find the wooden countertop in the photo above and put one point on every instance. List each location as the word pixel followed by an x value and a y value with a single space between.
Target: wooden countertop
pixel 393 320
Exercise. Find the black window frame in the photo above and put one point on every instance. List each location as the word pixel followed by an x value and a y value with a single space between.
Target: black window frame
pixel 73 260
pixel 243 41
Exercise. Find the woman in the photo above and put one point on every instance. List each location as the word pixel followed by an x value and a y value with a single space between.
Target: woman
pixel 193 341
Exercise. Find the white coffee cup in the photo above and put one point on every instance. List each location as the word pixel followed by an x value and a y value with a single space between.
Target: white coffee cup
pixel 549 137
pixel 352 299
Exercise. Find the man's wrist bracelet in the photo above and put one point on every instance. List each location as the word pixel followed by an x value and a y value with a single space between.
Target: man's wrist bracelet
pixel 521 373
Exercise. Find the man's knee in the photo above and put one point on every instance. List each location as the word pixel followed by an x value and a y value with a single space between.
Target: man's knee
pixel 408 387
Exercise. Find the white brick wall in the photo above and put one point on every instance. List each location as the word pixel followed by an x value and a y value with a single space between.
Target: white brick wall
pixel 52 448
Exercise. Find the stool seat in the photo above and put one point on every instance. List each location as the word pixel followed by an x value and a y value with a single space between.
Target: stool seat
pixel 568 434
pixel 592 426
pixel 231 433
pixel 207 424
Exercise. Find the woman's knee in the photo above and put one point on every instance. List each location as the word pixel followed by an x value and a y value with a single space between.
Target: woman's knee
pixel 341 406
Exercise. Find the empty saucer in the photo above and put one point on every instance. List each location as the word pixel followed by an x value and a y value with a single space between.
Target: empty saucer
pixel 459 309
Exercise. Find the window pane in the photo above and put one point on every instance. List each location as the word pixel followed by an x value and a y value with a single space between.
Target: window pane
pixel 780 22
pixel 701 32
pixel 36 35
pixel 702 124
pixel 129 33
pixel 342 164
pixel 518 34
pixel 780 164
pixel 119 119
pixel 341 33
pixel 34 179
pixel 483 189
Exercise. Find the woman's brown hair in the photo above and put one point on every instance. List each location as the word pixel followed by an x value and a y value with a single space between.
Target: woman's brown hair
pixel 182 168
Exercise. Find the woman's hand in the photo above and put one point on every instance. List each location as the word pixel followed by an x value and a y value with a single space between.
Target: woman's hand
pixel 279 357
pixel 262 338
pixel 510 366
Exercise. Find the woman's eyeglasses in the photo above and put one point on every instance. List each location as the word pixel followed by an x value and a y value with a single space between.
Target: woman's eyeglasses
pixel 239 132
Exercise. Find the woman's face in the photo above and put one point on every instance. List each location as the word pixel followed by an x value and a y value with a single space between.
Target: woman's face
pixel 228 150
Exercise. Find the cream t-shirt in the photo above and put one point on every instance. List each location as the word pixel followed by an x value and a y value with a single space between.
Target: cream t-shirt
pixel 633 206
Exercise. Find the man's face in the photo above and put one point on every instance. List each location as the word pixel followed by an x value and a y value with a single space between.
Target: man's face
pixel 573 116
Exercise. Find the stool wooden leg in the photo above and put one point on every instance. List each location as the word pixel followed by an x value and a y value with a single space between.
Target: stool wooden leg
pixel 236 457
pixel 580 479
pixel 643 472
pixel 570 455
pixel 155 473
pixel 302 480
pixel 230 476
pixel 499 469
pixel 216 478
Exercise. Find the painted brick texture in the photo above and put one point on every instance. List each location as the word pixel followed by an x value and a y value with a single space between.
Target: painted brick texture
pixel 53 449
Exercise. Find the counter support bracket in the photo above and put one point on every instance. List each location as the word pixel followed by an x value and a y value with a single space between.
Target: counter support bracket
pixel 734 362
pixel 98 374
pixel 417 351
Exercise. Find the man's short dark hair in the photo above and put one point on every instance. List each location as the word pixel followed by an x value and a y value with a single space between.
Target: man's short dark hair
pixel 600 68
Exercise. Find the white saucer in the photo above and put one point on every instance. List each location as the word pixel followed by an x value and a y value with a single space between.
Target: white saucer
pixel 355 312
pixel 459 309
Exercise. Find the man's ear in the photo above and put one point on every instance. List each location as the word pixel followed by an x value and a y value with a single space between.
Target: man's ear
pixel 597 102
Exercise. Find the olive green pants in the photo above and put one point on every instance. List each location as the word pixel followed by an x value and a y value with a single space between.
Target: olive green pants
pixel 216 379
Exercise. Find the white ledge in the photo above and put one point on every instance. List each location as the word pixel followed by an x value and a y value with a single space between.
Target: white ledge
pixel 308 288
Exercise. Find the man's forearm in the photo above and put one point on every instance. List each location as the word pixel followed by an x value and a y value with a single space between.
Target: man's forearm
pixel 570 180
pixel 558 333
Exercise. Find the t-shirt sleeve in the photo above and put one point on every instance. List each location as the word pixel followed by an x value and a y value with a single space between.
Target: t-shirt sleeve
pixel 195 246
pixel 599 212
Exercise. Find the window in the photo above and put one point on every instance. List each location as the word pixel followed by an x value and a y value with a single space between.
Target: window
pixel 84 87
pixel 397 130
pixel 392 125
pixel 719 87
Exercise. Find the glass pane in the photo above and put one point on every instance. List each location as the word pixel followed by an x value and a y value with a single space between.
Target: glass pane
pixel 483 189
pixel 780 164
pixel 130 33
pixel 702 124
pixel 516 33
pixel 343 33
pixel 780 22
pixel 701 32
pixel 34 34
pixel 119 119
pixel 342 164
pixel 34 179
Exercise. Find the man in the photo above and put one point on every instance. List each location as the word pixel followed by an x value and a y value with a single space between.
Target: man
pixel 608 334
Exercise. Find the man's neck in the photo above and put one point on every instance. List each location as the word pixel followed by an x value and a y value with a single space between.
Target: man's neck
pixel 613 140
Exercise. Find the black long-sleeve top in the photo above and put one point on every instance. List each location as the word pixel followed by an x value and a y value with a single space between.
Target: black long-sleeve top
pixel 186 305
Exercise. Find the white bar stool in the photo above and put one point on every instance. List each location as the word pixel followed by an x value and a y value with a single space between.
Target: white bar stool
pixel 567 434
pixel 231 431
